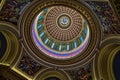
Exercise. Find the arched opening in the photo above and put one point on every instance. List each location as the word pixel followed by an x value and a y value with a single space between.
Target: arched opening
pixel 3 45
pixel 116 66
pixel 52 78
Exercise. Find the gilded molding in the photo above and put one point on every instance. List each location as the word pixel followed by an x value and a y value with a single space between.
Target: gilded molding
pixel 11 34
pixel 1 4
pixel 51 72
pixel 103 62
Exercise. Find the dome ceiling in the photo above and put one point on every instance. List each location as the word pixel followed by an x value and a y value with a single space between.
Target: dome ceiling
pixel 60 32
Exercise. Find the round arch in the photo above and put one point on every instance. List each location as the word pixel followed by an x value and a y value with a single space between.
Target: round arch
pixel 10 33
pixel 104 60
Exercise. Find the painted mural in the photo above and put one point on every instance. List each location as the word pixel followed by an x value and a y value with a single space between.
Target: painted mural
pixel 106 15
pixel 12 9
pixel 28 65
pixel 82 73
